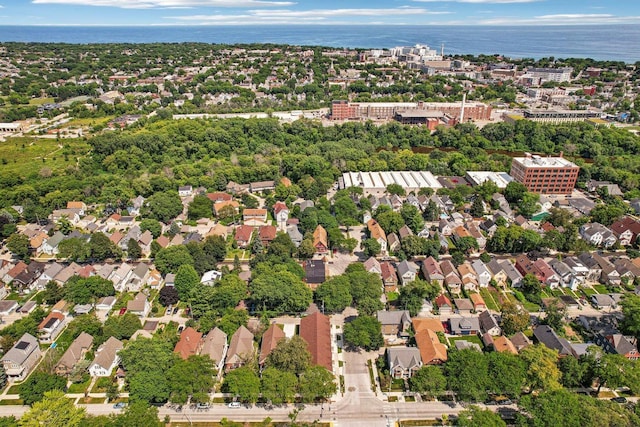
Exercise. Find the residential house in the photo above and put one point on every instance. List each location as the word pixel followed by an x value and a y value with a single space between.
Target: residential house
pixel 393 242
pixel 579 271
pixel 396 323
pixel 372 266
pixel 468 277
pixel 138 278
pixel 189 344
pixel 139 306
pixel 295 235
pixel 62 307
pixel 597 234
pixel 464 306
pixel 281 214
pixel 548 337
pixel 546 274
pixel 403 361
pixel 76 351
pixel 215 346
pixel 432 271
pixel 444 304
pixel 144 241
pixel 315 329
pixel 478 302
pixel 50 327
pixel 432 351
pixel 618 344
pixel 8 306
pixel 266 234
pixel 80 206
pixel 489 324
pixel 475 232
pixel 51 270
pixel 50 245
pixel 26 280
pixel 235 188
pixel 21 358
pixel 592 265
pixel 564 272
pixel 602 301
pixel 243 236
pixel 241 349
pixel 609 272
pixel 434 324
pixel 72 215
pixel 526 266
pixel 185 191
pixel 520 341
pixel 320 240
pixel 389 276
pixel 451 278
pixel 256 187
pixel 219 196
pixel 209 278
pixel 219 207
pixel 315 272
pixel 626 230
pixel 445 227
pixel 483 275
pixel 254 217
pixel 270 340
pixel 106 303
pixel 503 344
pixel 106 358
pixel 407 272
pixel 404 232
pixel 464 325
pixel 497 273
pixel 514 277
pixel 377 233
pixel 121 276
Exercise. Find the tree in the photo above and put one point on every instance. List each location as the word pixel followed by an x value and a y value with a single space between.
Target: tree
pixel 475 416
pixel 334 294
pixel 152 225
pixel 431 212
pixel 38 383
pixel 232 320
pixel 169 259
pixel 168 296
pixel 74 249
pixel 529 204
pixel 306 249
pixel 243 383
pixel 138 413
pixel 133 249
pixel 477 207
pixel 192 378
pixel 55 410
pixel 317 384
pixel 413 295
pixel 428 380
pixel 555 314
pixel 80 290
pixel 101 248
pixel 278 386
pixel 574 371
pixel 499 365
pixel 3 377
pixel 147 362
pixel 514 192
pixel 280 291
pixel 467 374
pixel 122 327
pixel 396 189
pixel 345 210
pixel 371 247
pixel 390 221
pixel 19 245
pixel 187 278
pixel 531 284
pixel 163 206
pixel 290 355
pixel 52 292
pixel 364 332
pixel 412 217
pixel 631 311
pixel 200 207
pixel 513 318
pixel 542 371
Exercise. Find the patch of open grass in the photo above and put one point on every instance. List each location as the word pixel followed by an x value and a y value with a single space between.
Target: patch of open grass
pixel 588 292
pixel 15 389
pixel 40 101
pixel 11 402
pixel 601 289
pixel 492 303
pixel 26 155
pixel 471 338
pixel 392 296
pixel 79 387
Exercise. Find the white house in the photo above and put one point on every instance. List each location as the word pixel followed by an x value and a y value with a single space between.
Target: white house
pixel 210 277
pixel 483 275
pixel 185 191
pixel 281 213
pixel 106 358
pixel 407 272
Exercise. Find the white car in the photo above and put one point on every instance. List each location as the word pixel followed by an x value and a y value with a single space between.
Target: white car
pixel 234 405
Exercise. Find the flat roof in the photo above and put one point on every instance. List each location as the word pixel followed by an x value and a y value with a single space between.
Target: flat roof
pixel 380 180
pixel 501 179
pixel 544 162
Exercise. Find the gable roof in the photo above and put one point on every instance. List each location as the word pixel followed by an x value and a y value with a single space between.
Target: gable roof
pixel 504 345
pixel 320 237
pixel 315 329
pixel 270 340
pixel 404 357
pixel 106 353
pixel 393 317
pixel 81 344
pixel 241 345
pixel 243 233
pixel 213 345
pixel 433 324
pixel 375 230
pixel 189 343
pixel 22 349
pixel 547 336
pixel 431 349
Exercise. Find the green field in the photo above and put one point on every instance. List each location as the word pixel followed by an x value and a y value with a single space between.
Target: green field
pixel 32 155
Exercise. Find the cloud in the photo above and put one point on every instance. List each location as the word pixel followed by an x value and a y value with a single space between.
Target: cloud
pixel 168 4
pixel 319 16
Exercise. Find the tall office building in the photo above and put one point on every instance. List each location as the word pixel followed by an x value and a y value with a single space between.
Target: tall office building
pixel 547 175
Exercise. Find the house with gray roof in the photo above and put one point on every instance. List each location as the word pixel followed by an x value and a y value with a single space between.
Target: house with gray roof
pixel 215 346
pixel 21 358
pixel 403 361
pixel 395 323
pixel 483 274
pixel 106 358
pixel 513 275
pixel 464 325
pixel 76 351
pixel 489 324
pixel 549 338
pixel 407 272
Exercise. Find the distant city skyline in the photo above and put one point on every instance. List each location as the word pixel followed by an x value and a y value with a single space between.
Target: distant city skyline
pixel 327 12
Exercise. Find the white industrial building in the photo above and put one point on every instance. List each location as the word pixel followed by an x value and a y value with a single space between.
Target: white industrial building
pixel 375 183
pixel 501 179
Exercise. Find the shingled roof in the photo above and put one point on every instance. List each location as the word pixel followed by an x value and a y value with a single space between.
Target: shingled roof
pixel 316 331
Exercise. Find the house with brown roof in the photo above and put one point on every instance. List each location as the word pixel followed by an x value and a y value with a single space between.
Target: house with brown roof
pixel 106 358
pixel 270 340
pixel 50 327
pixel 189 343
pixel 432 271
pixel 320 240
pixel 389 276
pixel 478 302
pixel 451 278
pixel 468 277
pixel 444 304
pixel 377 233
pixel 219 196
pixel 215 346
pixel 266 234
pixel 241 349
pixel 243 236
pixel 432 351
pixel 626 230
pixel 14 272
pixel 315 329
pixel 139 306
pixel 254 217
pixel 434 324
pixel 76 351
pixel 372 265
pixel 503 344
pixel 219 206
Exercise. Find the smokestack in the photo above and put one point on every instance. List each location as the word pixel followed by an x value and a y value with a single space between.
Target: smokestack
pixel 464 98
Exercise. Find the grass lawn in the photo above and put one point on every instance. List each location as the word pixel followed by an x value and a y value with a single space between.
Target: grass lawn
pixel 12 402
pixel 512 298
pixel 409 399
pixel 529 306
pixel 392 296
pixel 397 385
pixel 588 292
pixel 418 423
pixel 471 338
pixel 606 394
pixel 88 122
pixel 489 299
pixel 601 289
pixel 27 155
pixel 80 387
pixel 557 292
pixel 14 389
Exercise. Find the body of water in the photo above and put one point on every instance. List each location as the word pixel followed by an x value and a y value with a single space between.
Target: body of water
pixel 601 42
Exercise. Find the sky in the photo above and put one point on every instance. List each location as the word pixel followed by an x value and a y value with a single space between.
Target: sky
pixel 316 12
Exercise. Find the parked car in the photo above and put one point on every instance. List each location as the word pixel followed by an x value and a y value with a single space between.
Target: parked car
pixel 119 405
pixel 234 405
pixel 203 406
pixel 619 399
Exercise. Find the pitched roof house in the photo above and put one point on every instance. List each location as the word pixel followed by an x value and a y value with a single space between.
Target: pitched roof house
pixel 389 276
pixel 240 349
pixel 320 241
pixel 548 337
pixel 189 343
pixel 21 358
pixel 394 322
pixel 270 340
pixel 76 351
pixel 432 351
pixel 243 236
pixel 106 358
pixel 432 271
pixel 315 329
pixel 215 346
pixel 403 361
pixel 377 233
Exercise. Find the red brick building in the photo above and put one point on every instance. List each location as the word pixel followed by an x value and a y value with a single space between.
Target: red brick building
pixel 316 331
pixel 547 175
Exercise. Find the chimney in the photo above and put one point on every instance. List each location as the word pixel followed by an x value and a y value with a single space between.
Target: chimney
pixel 561 154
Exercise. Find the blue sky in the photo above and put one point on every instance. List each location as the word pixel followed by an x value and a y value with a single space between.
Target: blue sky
pixel 308 12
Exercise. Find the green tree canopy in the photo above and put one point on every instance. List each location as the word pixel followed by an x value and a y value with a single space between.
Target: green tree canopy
pixel 80 290
pixel 54 410
pixel 243 383
pixel 290 355
pixel 364 332
pixel 34 388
